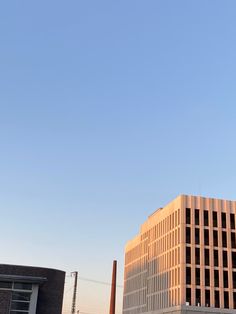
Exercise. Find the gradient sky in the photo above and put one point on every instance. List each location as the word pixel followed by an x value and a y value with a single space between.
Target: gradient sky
pixel 108 110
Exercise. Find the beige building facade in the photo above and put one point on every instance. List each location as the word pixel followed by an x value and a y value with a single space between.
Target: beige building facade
pixel 183 259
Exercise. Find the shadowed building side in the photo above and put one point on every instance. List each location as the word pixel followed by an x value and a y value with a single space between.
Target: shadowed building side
pixel 30 290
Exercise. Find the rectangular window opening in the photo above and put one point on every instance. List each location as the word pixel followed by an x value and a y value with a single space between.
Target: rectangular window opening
pixel 206 219
pixel 188 295
pixel 198 297
pixel 207 277
pixel 188 275
pixel 233 240
pixel 216 258
pixel 234 279
pixel 234 259
pixel 234 297
pixel 224 239
pixel 217 299
pixel 198 279
pixel 232 221
pixel 188 235
pixel 207 298
pixel 216 278
pixel 215 237
pixel 223 220
pixel 197 236
pixel 197 217
pixel 226 299
pixel 225 259
pixel 197 256
pixel 214 218
pixel 188 216
pixel 188 255
pixel 206 237
pixel 225 278
pixel 207 259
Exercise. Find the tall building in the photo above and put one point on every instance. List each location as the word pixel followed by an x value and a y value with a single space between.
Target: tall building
pixel 183 259
pixel 30 290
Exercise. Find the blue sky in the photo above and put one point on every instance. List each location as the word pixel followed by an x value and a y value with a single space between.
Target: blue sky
pixel 108 110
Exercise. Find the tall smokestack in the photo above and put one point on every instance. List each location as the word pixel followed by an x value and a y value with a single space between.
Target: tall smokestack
pixel 113 289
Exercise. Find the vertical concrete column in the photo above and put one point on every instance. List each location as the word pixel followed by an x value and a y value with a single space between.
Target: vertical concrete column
pixel 202 269
pixel 34 299
pixel 191 205
pixel 220 209
pixel 182 251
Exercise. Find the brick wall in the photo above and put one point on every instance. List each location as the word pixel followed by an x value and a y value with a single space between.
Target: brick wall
pixel 5 299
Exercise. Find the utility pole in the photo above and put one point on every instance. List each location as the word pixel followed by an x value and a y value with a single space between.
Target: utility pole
pixel 73 308
pixel 113 289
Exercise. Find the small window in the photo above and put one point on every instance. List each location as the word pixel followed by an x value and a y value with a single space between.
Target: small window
pixel 225 259
pixel 188 235
pixel 197 236
pixel 197 279
pixel 225 276
pixel 198 297
pixel 207 277
pixel 207 298
pixel 234 279
pixel 215 237
pixel 197 256
pixel 22 286
pixel 226 299
pixel 188 275
pixel 197 217
pixel 206 237
pixel 216 258
pixel 22 306
pixel 5 285
pixel 206 219
pixel 233 240
pixel 223 220
pixel 217 299
pixel 207 259
pixel 234 297
pixel 224 239
pixel 21 296
pixel 214 218
pixel 216 278
pixel 188 216
pixel 234 259
pixel 188 255
pixel 188 295
pixel 232 221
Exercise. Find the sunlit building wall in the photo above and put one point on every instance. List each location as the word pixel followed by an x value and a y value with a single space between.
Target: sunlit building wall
pixel 184 259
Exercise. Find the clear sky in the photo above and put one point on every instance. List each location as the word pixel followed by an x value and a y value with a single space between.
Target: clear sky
pixel 108 110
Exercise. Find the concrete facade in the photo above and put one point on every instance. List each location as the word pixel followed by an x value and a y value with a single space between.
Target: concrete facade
pixel 183 259
pixel 30 290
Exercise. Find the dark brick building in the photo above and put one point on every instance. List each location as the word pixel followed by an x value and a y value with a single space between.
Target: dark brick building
pixel 30 290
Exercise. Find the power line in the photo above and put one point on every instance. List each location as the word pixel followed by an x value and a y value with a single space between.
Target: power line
pixel 80 312
pixel 97 281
